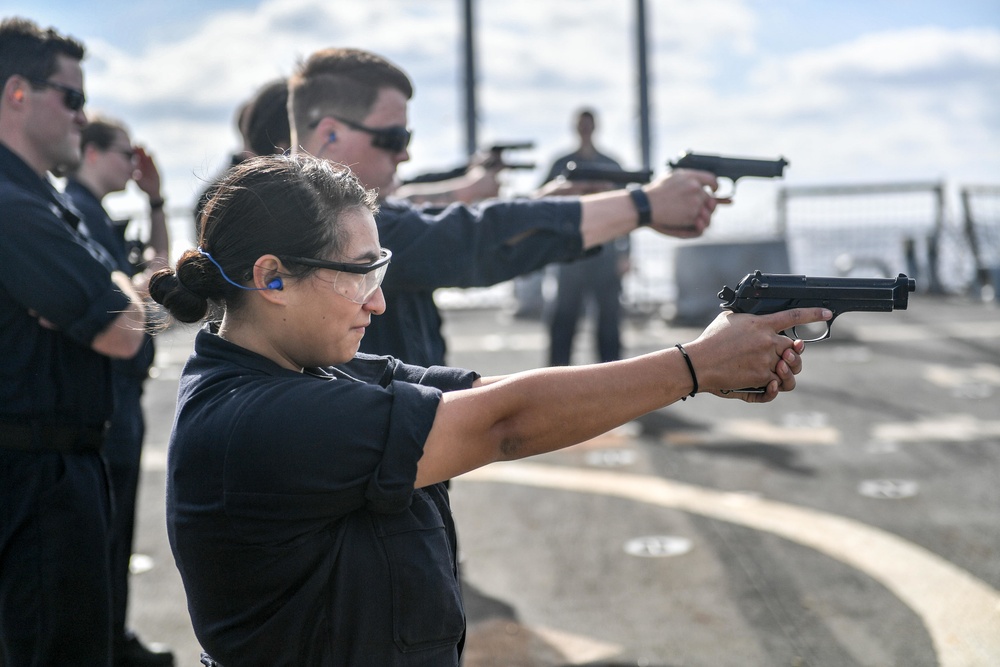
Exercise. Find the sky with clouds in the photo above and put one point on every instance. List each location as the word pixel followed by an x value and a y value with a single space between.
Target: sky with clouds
pixel 849 91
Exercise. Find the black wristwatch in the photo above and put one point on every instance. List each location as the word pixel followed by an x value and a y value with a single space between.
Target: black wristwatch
pixel 641 202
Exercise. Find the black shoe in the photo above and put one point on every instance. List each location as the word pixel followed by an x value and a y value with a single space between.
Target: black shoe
pixel 131 653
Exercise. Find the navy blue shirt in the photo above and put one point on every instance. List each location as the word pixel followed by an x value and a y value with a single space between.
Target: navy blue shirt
pixel 101 229
pixel 99 226
pixel 460 246
pixel 293 517
pixel 52 271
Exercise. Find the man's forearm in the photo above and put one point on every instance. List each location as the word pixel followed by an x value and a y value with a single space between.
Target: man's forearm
pixel 606 216
pixel 123 337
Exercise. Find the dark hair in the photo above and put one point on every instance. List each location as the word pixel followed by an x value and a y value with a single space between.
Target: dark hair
pixel 264 122
pixel 101 132
pixel 273 204
pixel 29 51
pixel 342 81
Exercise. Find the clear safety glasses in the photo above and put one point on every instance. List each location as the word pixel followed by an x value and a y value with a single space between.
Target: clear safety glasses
pixel 355 282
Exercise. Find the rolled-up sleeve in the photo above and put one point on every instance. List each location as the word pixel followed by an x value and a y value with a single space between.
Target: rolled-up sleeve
pixel 410 420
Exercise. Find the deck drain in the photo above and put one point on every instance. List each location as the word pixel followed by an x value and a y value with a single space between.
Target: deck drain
pixel 610 458
pixel 888 489
pixel 658 546
pixel 140 563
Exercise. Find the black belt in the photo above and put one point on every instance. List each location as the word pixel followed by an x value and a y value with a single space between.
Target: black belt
pixel 46 437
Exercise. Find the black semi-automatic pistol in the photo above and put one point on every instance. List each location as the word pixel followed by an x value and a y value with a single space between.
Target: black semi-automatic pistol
pixel 762 293
pixel 731 168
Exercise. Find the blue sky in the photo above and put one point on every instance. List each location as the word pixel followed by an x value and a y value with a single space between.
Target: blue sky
pixel 793 25
pixel 847 90
pixel 789 24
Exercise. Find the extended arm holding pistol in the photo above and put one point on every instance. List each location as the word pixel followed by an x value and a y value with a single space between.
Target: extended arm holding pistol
pixel 731 168
pixel 762 293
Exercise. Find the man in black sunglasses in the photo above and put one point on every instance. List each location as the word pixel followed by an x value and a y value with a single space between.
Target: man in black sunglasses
pixel 350 106
pixel 65 311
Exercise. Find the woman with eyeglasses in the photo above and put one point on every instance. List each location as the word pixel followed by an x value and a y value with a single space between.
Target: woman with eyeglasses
pixel 305 500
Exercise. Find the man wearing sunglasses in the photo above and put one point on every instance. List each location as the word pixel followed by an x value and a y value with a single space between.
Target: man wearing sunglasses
pixel 350 106
pixel 65 311
pixel 108 162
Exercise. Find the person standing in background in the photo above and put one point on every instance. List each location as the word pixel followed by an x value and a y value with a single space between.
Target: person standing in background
pixel 596 278
pixel 586 153
pixel 108 162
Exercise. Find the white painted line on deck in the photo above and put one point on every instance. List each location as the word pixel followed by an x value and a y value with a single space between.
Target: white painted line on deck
pixel 961 613
pixel 579 650
pixel 944 428
pixel 957 376
pixel 760 430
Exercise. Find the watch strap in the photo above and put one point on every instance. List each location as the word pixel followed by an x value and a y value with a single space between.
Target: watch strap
pixel 641 202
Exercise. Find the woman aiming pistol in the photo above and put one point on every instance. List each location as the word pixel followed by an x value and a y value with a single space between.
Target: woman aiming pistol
pixel 305 500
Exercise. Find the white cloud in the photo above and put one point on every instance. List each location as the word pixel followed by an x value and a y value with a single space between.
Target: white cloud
pixel 915 103
pixel 904 56
pixel 912 104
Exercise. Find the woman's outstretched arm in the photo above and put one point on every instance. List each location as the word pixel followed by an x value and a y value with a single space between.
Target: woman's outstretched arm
pixel 547 409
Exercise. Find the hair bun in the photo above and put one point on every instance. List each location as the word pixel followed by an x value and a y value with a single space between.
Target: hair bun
pixel 167 289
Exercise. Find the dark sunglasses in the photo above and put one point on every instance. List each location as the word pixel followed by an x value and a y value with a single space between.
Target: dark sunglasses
pixel 394 139
pixel 73 99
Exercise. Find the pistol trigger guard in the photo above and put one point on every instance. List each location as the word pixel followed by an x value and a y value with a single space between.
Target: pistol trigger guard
pixel 732 189
pixel 816 339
